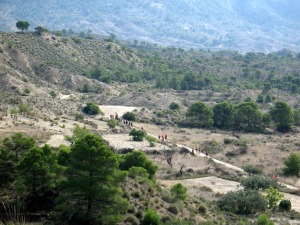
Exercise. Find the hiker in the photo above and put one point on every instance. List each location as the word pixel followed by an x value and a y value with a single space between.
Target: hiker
pixel 159 137
pixel 206 154
pixel 166 136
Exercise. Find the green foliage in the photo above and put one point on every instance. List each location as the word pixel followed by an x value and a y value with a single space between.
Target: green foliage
pixel 112 123
pixel 135 171
pixel 138 159
pixel 130 116
pixel 22 25
pixel 174 106
pixel 78 132
pixel 285 205
pixel 40 29
pixel 292 165
pixel 297 117
pixel 242 202
pixel 179 192
pixel 36 168
pixel 273 196
pixel 223 115
pixel 91 109
pixel 91 188
pixel 151 218
pixel 251 169
pixel 260 98
pixel 282 116
pixel 79 117
pixel 151 140
pixel 262 219
pixel 18 144
pixel 258 182
pixel 53 94
pixel 200 115
pixel 138 135
pixel 7 167
pixel 248 118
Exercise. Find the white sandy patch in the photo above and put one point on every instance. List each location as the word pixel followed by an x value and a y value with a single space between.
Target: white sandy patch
pixel 57 140
pixel 116 109
pixel 121 141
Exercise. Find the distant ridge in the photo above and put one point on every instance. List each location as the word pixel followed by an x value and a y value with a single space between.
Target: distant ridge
pixel 248 25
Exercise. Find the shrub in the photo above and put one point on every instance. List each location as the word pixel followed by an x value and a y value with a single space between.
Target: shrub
pixel 129 116
pixel 273 196
pixel 251 169
pixel 202 209
pixel 151 140
pixel 91 109
pixel 53 94
pixel 79 117
pixel 179 192
pixel 174 106
pixel 132 220
pixel 263 220
pixel 292 165
pixel 112 123
pixel 285 205
pixel 173 209
pixel 135 171
pixel 242 202
pixel 257 182
pixel 138 135
pixel 150 218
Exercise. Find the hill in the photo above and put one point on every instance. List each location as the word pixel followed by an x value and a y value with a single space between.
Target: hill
pixel 257 25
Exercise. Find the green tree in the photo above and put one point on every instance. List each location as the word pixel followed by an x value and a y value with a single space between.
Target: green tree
pixel 35 169
pixel 260 98
pixel 151 218
pixel 92 181
pixel 130 116
pixel 273 196
pixel 297 117
pixel 248 118
pixel 200 115
pixel 40 29
pixel 223 115
pixel 292 165
pixel 18 143
pixel 78 132
pixel 174 106
pixel 138 135
pixel 282 115
pixel 112 123
pixel 258 182
pixel 179 192
pixel 22 25
pixel 138 159
pixel 268 98
pixel 7 168
pixel 91 109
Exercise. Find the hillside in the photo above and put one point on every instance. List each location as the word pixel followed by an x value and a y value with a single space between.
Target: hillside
pixel 258 25
pixel 46 80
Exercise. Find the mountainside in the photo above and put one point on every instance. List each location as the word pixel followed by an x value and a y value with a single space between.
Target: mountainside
pixel 258 25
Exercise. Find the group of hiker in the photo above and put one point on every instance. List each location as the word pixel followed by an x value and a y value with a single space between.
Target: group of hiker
pixel 162 137
pixel 126 122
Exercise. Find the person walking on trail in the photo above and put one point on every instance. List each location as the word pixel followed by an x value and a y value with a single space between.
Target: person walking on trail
pixel 206 154
pixel 159 137
pixel 166 137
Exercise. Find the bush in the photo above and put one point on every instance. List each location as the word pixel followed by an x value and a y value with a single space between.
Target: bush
pixel 129 116
pixel 150 218
pixel 202 209
pixel 79 117
pixel 285 205
pixel 292 165
pixel 135 171
pixel 250 169
pixel 173 209
pixel 138 135
pixel 257 182
pixel 242 202
pixel 174 106
pixel 132 220
pixel 91 109
pixel 263 220
pixel 179 192
pixel 112 123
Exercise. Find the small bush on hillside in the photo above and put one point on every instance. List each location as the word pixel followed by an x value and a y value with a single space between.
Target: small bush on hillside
pixel 135 171
pixel 91 109
pixel 129 116
pixel 132 220
pixel 263 220
pixel 112 123
pixel 251 169
pixel 138 135
pixel 257 182
pixel 292 165
pixel 285 205
pixel 79 117
pixel 242 202
pixel 150 218
pixel 173 209
pixel 179 192
pixel 174 106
